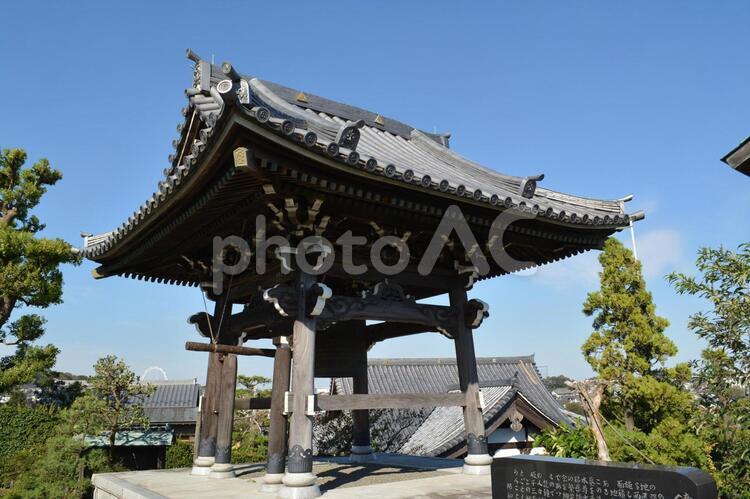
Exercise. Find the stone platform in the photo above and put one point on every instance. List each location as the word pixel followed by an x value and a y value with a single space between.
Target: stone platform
pixel 389 476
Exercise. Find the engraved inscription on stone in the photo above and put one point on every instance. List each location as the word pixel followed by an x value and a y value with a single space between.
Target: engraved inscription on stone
pixel 538 477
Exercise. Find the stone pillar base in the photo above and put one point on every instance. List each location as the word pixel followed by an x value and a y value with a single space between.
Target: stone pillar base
pixel 472 469
pixel 308 492
pixel 477 464
pixel 362 454
pixel 202 466
pixel 362 458
pixel 222 470
pixel 272 482
pixel 299 486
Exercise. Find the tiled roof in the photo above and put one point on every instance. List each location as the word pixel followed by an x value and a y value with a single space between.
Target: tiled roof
pixel 500 379
pixel 384 148
pixel 172 402
pixel 444 427
pixel 133 438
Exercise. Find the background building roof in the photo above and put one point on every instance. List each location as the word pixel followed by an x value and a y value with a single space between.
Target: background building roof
pixel 173 401
pixel 435 431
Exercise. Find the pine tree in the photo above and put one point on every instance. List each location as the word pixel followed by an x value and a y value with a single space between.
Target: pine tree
pixel 113 403
pixel 30 273
pixel 628 348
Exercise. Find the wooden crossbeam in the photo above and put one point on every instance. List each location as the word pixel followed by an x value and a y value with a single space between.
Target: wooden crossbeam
pixel 235 349
pixel 252 403
pixel 387 330
pixel 389 401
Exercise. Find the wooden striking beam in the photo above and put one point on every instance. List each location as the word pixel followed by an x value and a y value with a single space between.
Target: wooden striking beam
pixel 251 404
pixel 238 350
pixel 389 401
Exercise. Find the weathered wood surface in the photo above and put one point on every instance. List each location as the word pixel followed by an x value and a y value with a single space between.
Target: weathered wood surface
pixel 386 302
pixel 277 432
pixel 209 421
pixel 389 401
pixel 225 407
pixel 360 417
pixel 251 404
pixel 468 378
pixel 303 384
pixel 229 349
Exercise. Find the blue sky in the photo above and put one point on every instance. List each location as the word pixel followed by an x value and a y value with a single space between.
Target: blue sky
pixel 605 98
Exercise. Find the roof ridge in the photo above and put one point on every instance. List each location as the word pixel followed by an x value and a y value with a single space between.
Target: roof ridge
pixel 449 360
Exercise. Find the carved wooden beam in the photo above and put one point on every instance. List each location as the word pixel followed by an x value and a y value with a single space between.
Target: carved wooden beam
pixel 401 314
pixel 387 302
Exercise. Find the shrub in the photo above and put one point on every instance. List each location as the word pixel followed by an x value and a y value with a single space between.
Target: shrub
pixel 24 427
pixel 250 447
pixel 179 455
pixel 565 441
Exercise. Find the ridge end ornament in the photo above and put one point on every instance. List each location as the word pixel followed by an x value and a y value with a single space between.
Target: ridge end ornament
pixel 243 92
pixel 528 185
pixel 348 135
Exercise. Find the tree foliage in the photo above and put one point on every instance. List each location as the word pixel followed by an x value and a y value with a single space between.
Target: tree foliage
pixel 62 466
pixel 723 371
pixel 113 402
pixel 250 386
pixel 628 347
pixel 30 274
pixel 568 441
pixel 556 382
pixel 22 428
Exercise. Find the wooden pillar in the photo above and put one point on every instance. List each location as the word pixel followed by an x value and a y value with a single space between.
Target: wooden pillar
pixel 206 440
pixel 478 459
pixel 299 480
pixel 222 467
pixel 224 406
pixel 361 445
pixel 277 433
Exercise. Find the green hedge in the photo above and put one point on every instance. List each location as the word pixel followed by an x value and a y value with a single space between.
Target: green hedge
pixel 179 455
pixel 24 427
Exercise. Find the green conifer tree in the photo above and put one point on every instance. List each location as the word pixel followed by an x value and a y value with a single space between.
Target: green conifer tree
pixel 628 348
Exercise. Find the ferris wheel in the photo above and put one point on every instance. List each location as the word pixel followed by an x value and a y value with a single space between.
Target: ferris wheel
pixel 157 369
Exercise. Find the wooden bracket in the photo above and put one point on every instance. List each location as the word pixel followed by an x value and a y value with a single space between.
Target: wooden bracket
pixel 288 401
pixel 480 399
pixel 311 404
